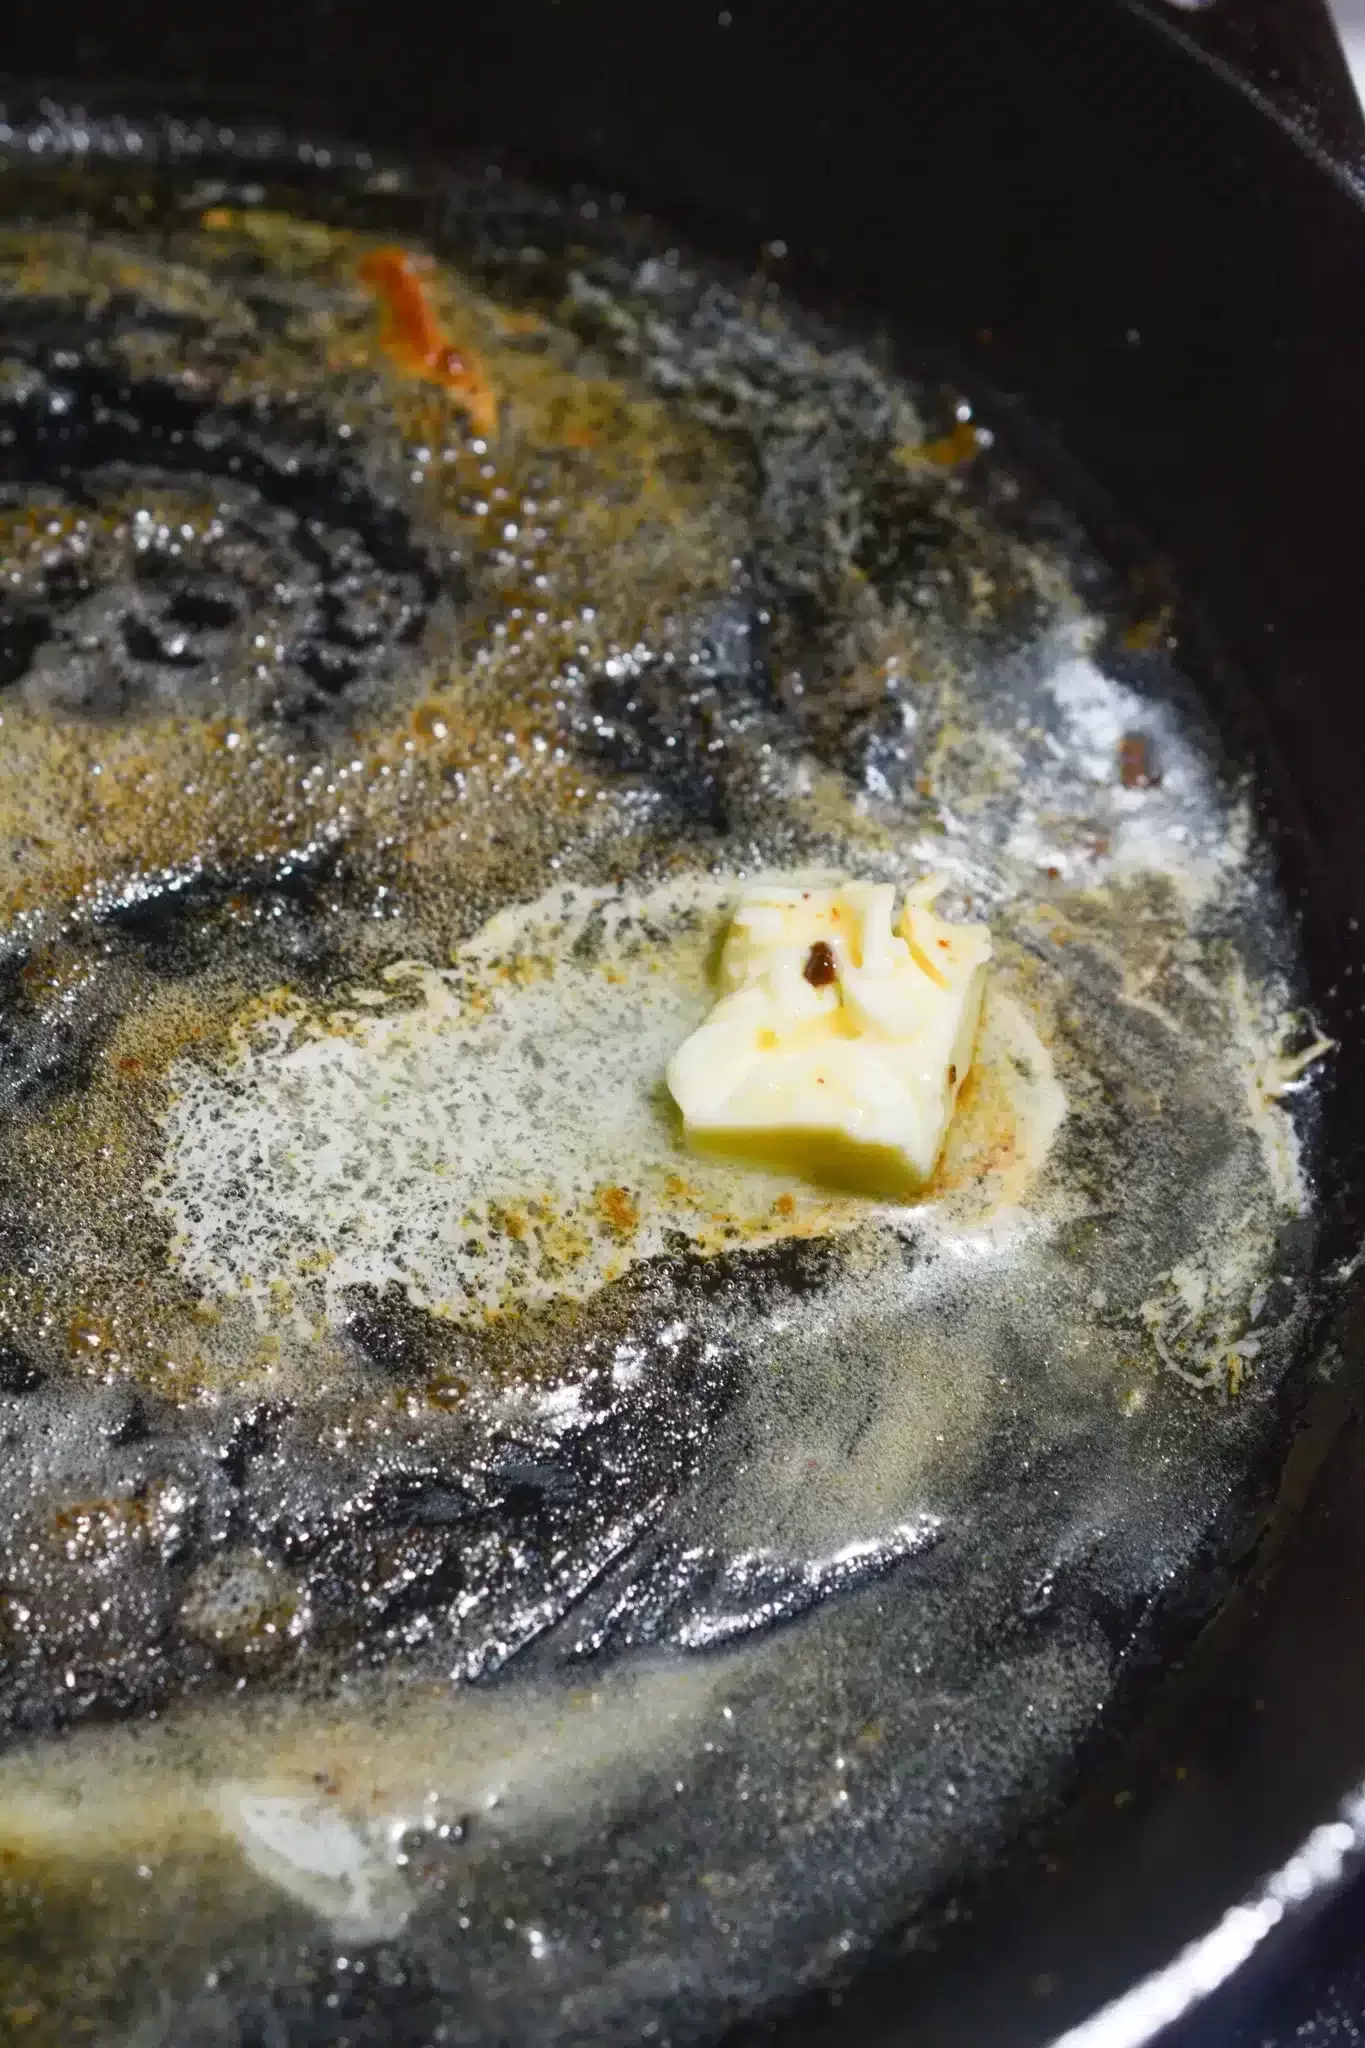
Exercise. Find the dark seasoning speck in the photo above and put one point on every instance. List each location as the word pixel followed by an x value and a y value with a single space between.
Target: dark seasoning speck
pixel 299 678
pixel 820 968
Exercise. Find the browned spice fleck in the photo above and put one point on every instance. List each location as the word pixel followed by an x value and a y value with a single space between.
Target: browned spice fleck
pixel 88 1334
pixel 1147 632
pixel 1136 769
pixel 820 969
pixel 430 722
pixel 619 1211
pixel 950 450
pixel 448 1394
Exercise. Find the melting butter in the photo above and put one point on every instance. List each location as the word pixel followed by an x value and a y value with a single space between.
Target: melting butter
pixel 841 1037
pixel 495 1133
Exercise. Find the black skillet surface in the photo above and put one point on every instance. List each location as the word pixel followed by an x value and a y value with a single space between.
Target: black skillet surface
pixel 1174 290
pixel 1313 1998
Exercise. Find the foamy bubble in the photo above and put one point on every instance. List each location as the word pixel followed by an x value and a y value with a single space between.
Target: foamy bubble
pixel 497 1133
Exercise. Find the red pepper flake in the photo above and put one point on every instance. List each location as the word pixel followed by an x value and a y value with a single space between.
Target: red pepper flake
pixel 414 338
pixel 1136 769
pixel 820 969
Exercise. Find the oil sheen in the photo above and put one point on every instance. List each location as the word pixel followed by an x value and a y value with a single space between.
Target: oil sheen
pixel 468 1564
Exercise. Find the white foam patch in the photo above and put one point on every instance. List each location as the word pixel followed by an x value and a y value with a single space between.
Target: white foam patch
pixel 1181 826
pixel 505 1136
pixel 338 1868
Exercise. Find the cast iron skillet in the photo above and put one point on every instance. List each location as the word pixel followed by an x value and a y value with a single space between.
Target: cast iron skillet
pixel 1172 277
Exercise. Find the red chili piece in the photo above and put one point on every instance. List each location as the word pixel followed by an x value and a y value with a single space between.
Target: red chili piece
pixel 413 335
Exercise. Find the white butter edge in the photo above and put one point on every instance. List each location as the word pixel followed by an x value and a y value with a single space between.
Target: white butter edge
pixel 854 1080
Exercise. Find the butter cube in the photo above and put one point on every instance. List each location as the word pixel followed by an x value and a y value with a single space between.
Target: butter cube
pixel 842 1035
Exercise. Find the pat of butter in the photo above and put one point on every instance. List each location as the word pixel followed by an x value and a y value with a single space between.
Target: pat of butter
pixel 842 1035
